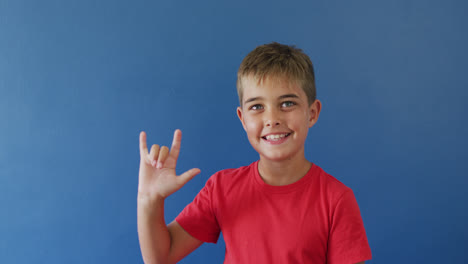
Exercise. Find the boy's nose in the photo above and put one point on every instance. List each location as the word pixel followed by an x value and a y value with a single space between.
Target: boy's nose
pixel 272 117
pixel 272 123
pixel 272 120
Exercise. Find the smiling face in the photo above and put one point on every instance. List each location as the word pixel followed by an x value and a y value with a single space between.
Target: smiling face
pixel 276 117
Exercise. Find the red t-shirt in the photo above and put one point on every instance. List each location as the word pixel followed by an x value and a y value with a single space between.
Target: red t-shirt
pixel 314 220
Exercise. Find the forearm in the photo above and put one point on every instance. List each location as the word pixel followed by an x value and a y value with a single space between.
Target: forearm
pixel 155 240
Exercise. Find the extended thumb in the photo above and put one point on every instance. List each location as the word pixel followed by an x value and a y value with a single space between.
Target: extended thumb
pixel 188 175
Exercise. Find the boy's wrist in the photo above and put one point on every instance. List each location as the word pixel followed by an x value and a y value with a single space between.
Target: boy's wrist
pixel 145 200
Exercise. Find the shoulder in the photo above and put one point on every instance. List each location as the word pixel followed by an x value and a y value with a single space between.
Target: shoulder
pixel 330 185
pixel 232 174
pixel 227 179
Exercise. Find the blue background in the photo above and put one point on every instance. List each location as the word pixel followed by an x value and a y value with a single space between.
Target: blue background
pixel 80 79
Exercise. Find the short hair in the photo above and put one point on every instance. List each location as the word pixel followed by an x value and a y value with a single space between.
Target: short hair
pixel 278 60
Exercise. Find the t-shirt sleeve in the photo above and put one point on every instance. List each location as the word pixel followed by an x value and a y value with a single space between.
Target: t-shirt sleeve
pixel 347 241
pixel 198 217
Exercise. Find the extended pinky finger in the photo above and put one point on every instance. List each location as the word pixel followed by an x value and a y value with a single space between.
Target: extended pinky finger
pixel 143 147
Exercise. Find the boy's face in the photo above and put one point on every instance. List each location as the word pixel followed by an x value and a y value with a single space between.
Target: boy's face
pixel 276 116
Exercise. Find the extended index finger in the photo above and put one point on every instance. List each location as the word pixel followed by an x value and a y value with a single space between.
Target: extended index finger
pixel 175 148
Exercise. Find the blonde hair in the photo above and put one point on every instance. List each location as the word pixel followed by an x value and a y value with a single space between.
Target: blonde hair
pixel 278 60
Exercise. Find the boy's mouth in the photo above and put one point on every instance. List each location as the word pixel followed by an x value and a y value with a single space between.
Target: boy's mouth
pixel 276 137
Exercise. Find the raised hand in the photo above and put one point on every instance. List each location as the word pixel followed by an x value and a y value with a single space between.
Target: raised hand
pixel 157 176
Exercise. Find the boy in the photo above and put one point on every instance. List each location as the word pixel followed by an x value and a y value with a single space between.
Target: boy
pixel 280 209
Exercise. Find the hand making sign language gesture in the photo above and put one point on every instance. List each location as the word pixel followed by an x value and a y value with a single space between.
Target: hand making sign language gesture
pixel 157 176
pixel 157 180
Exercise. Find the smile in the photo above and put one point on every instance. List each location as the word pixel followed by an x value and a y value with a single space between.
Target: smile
pixel 276 137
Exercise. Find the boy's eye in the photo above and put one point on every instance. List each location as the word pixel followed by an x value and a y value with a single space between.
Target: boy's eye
pixel 288 104
pixel 256 107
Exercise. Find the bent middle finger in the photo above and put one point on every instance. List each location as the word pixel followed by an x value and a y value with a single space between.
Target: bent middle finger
pixel 163 153
pixel 153 155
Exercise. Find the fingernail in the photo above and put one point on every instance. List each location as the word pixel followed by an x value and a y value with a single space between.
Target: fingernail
pixel 153 163
pixel 159 166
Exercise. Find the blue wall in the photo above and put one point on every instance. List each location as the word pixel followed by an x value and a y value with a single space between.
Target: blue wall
pixel 80 79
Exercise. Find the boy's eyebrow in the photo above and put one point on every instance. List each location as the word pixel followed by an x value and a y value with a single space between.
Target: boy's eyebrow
pixel 288 96
pixel 280 97
pixel 252 99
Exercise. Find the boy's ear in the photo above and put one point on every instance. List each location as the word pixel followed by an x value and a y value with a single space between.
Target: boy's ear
pixel 240 115
pixel 314 111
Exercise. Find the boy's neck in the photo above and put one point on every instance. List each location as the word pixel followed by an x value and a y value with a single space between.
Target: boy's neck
pixel 279 173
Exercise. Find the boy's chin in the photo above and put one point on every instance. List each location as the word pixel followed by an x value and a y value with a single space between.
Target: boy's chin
pixel 275 158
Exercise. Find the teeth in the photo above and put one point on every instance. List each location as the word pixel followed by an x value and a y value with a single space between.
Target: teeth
pixel 275 137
